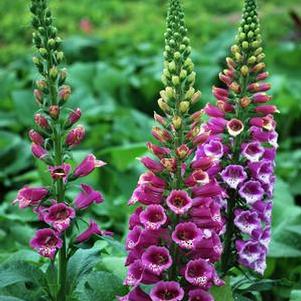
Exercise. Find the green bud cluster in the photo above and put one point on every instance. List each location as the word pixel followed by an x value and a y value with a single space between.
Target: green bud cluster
pixel 178 75
pixel 49 54
pixel 247 52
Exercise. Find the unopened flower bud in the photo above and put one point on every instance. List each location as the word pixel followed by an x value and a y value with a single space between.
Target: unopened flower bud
pixel 245 45
pixel 258 51
pixel 64 92
pixel 260 57
pixel 230 63
pixel 235 49
pixel 160 119
pixel 51 42
pixel 175 80
pixel 41 121
pixel 53 72
pixel 38 94
pixel 38 151
pixel 255 44
pixel 251 60
pixel 75 136
pixel 189 93
pixel 245 101
pixel 183 74
pixel 43 52
pixel 54 111
pixel 235 87
pixel 182 151
pixel 259 67
pixel 74 116
pixel 35 137
pixel 163 105
pixel 60 56
pixel 169 163
pixel 184 106
pixel 244 70
pixel 41 84
pixel 238 56
pixel 62 76
pixel 169 92
pixel 196 96
pixel 191 77
pixel 177 55
pixel 172 66
pixel 177 122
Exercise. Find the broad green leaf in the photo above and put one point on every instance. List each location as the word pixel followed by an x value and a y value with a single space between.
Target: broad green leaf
pixel 80 264
pixel 102 286
pixel 223 293
pixel 115 265
pixel 20 271
pixel 286 216
pixel 123 156
pixel 25 106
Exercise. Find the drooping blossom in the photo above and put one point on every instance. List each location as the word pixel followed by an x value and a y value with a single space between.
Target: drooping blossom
pixel 93 229
pixel 28 196
pixel 249 140
pixel 87 197
pixel 177 218
pixel 46 242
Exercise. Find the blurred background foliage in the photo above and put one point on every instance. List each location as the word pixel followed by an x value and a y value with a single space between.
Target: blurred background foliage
pixel 114 56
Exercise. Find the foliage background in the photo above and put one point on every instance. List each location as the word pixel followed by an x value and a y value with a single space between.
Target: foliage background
pixel 115 75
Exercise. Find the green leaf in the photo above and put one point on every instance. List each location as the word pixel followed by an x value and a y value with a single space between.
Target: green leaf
pixel 295 295
pixel 102 286
pixel 286 217
pixel 9 298
pixel 124 156
pixel 223 293
pixel 20 271
pixel 25 106
pixel 80 264
pixel 115 265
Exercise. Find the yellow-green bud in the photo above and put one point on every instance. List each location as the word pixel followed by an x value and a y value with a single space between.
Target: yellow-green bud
pixel 163 105
pixel 43 51
pixel 244 70
pixel 196 96
pixel 258 51
pixel 177 122
pixel 189 93
pixel 164 79
pixel 235 49
pixel 184 106
pixel 172 66
pixel 260 57
pixel 163 95
pixel 250 34
pixel 252 60
pixel 60 56
pixel 245 45
pixel 183 74
pixel 191 77
pixel 238 56
pixel 51 42
pixel 255 44
pixel 53 72
pixel 169 92
pixel 177 55
pixel 242 36
pixel 175 80
pixel 182 47
pixel 166 73
pixel 36 60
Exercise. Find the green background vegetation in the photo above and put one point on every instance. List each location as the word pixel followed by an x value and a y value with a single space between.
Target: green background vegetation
pixel 114 72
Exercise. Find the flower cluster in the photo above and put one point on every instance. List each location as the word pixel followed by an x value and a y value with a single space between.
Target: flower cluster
pixel 244 138
pixel 53 138
pixel 173 240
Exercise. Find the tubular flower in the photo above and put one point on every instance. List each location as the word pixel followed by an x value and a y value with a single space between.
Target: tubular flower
pixel 53 137
pixel 247 171
pixel 178 220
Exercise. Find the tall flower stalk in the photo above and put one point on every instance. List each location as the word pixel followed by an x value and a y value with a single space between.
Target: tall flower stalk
pixel 53 138
pixel 173 240
pixel 243 124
